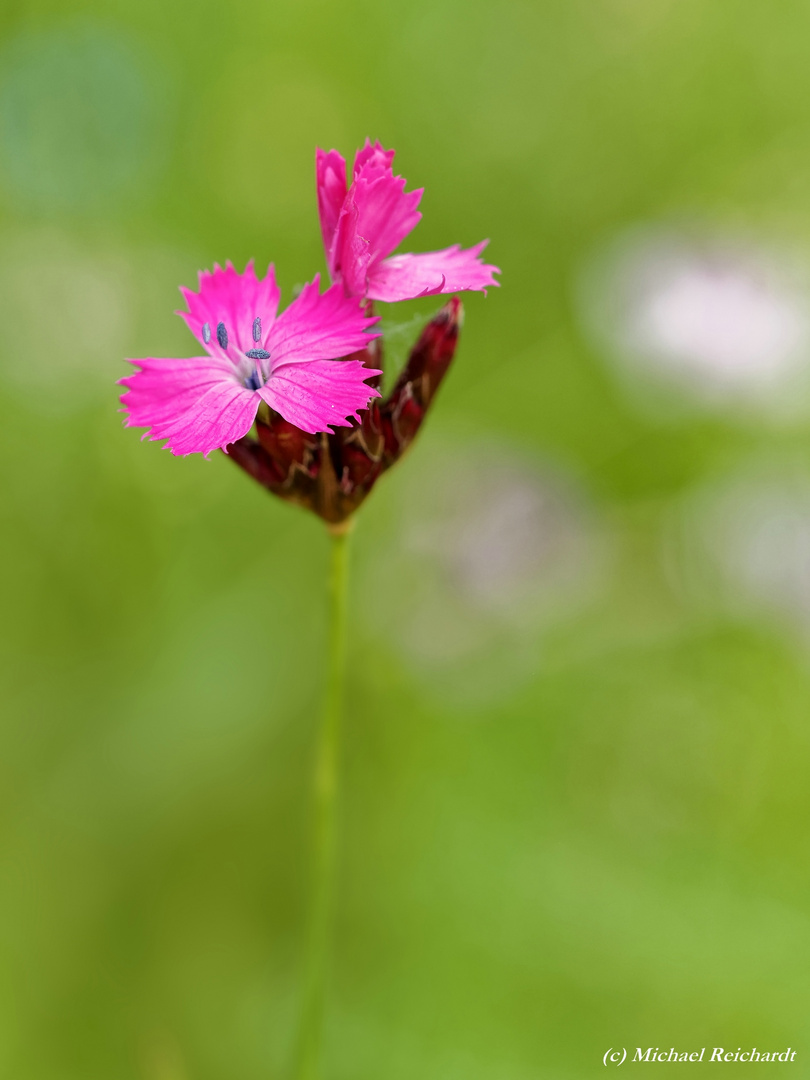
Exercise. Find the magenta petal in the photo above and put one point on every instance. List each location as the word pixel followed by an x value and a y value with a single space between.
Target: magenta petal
pixel 454 269
pixel 318 327
pixel 235 300
pixel 330 177
pixel 386 212
pixel 351 254
pixel 372 158
pixel 320 395
pixel 197 405
pixel 377 215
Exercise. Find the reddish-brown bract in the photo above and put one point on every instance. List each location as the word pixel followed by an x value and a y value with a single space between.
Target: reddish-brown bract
pixel 331 474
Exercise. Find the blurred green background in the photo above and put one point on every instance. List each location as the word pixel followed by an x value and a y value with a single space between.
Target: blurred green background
pixel 576 808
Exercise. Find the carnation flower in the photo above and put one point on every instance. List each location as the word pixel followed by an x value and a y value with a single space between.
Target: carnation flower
pixel 291 399
pixel 364 223
pixel 254 356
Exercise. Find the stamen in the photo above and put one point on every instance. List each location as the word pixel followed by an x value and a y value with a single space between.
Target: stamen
pixel 257 329
pixel 252 381
pixel 206 332
pixel 222 335
pixel 258 354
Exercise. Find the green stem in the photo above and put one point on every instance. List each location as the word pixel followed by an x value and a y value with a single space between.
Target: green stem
pixel 324 797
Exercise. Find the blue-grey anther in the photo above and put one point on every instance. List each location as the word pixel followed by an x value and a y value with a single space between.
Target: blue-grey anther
pixel 258 354
pixel 257 329
pixel 222 335
pixel 206 332
pixel 252 382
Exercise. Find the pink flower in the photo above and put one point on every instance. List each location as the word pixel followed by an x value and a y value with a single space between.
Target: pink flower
pixel 361 226
pixel 252 355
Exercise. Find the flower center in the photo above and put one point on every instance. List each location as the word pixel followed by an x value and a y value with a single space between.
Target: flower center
pixel 256 378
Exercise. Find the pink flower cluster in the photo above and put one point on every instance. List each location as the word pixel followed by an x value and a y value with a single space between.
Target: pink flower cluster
pixel 297 362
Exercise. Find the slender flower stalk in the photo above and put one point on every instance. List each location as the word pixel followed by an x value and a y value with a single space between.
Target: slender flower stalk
pixel 325 793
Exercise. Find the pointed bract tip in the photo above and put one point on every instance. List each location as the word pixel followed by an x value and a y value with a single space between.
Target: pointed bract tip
pixel 454 311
